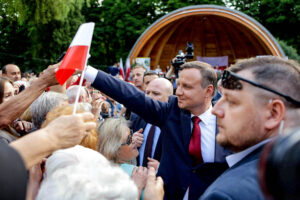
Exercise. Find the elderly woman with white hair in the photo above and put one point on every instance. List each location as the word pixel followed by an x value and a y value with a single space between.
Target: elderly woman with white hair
pixel 81 173
pixel 115 143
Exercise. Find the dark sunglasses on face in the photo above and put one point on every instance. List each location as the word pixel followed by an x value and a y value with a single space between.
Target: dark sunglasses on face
pixel 231 81
pixel 129 139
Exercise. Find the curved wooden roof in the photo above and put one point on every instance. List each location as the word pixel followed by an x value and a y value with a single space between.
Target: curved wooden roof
pixel 214 31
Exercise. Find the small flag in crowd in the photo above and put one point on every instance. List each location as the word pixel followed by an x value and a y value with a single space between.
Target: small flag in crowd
pixel 77 54
pixel 122 69
pixel 127 70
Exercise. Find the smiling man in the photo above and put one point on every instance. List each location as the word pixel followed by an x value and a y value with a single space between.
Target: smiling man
pixel 191 159
pixel 259 95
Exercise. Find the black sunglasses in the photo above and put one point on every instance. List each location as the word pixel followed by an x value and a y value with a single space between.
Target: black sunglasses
pixel 129 139
pixel 231 81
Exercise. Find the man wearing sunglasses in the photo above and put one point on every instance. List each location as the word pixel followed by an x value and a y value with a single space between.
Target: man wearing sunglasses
pixel 259 95
pixel 191 158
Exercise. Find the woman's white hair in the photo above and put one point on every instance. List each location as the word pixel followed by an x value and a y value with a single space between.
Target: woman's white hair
pixel 110 135
pixel 81 173
pixel 44 104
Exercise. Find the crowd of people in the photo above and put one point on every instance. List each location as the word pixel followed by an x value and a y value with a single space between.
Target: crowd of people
pixel 154 137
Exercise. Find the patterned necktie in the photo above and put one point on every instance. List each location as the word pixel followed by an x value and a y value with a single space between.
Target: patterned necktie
pixel 195 142
pixel 148 146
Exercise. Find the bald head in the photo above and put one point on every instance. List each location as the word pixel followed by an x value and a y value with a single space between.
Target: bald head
pixel 11 72
pixel 159 89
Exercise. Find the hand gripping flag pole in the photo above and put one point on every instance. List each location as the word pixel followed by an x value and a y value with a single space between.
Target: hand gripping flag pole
pixel 76 57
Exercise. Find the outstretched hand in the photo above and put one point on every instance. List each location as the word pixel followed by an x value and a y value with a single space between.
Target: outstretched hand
pixel 69 130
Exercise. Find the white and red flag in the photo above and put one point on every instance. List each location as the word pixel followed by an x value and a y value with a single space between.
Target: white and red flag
pixel 122 69
pixel 77 54
pixel 127 70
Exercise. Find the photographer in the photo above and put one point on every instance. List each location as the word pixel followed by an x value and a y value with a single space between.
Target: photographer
pixel 180 59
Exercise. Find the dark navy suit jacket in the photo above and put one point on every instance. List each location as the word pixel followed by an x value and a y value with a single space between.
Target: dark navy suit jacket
pixel 137 123
pixel 238 182
pixel 176 166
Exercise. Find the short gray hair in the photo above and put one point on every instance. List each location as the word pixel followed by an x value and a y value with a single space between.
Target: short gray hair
pixel 81 173
pixel 43 104
pixel 110 136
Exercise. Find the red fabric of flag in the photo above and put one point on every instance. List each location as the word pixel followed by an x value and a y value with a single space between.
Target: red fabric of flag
pixel 76 56
pixel 74 59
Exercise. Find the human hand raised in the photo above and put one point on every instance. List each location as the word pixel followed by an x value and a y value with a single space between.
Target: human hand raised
pixel 139 176
pixel 154 187
pixel 138 138
pixel 69 130
pixel 153 163
pixel 48 75
pixel 96 107
pixel 22 126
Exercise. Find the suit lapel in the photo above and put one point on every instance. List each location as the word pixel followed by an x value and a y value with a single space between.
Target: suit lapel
pixel 158 149
pixel 142 124
pixel 186 132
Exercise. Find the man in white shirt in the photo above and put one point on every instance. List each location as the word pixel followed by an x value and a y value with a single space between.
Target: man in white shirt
pixel 182 166
pixel 258 95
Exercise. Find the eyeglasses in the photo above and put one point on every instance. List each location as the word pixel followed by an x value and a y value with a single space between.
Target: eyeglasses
pixel 129 139
pixel 231 81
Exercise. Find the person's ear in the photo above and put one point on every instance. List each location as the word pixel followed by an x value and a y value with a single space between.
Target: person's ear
pixel 209 91
pixel 275 113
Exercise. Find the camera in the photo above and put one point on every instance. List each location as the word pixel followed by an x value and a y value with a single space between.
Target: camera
pixel 181 57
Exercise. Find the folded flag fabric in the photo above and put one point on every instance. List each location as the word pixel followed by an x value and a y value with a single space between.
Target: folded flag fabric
pixel 77 54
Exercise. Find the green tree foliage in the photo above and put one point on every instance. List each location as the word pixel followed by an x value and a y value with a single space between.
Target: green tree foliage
pixel 34 33
pixel 46 29
pixel 170 5
pixel 290 51
pixel 280 17
pixel 119 23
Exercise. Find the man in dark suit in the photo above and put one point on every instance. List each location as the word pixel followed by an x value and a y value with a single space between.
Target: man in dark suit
pixel 250 113
pixel 151 139
pixel 191 159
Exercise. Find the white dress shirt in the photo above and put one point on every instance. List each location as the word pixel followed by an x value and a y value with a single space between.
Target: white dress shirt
pixel 90 74
pixel 208 138
pixel 207 126
pixel 236 157
pixel 208 134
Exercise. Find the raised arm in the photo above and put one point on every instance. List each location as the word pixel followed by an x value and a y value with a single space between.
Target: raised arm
pixel 63 132
pixel 154 112
pixel 15 106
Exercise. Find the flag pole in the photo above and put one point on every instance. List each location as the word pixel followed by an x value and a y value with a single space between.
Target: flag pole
pixel 79 90
pixel 82 77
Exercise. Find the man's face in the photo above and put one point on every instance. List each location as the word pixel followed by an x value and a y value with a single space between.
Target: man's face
pixel 137 77
pixel 239 116
pixel 157 90
pixel 13 73
pixel 148 79
pixel 189 90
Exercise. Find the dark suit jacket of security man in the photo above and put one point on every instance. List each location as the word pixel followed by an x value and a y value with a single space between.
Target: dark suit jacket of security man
pixel 240 182
pixel 137 124
pixel 176 165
